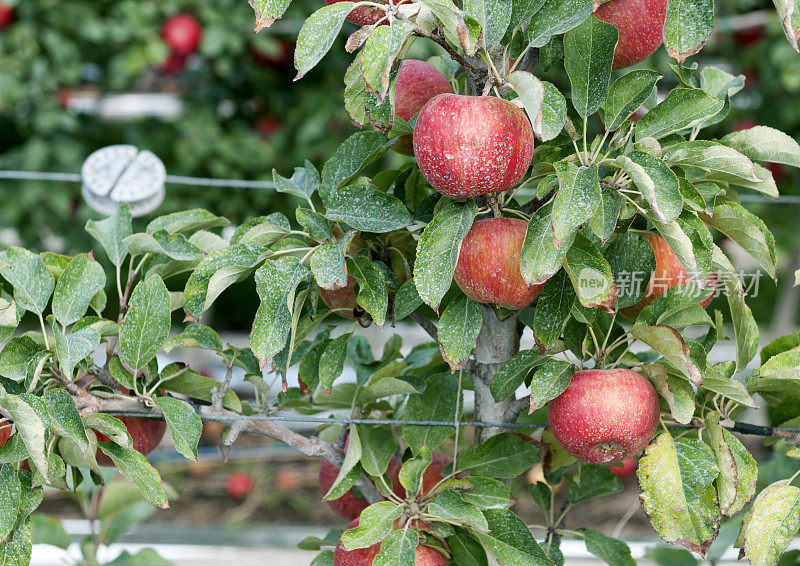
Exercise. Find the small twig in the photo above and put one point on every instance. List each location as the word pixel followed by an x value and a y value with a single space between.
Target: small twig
pixel 427 325
pixel 217 393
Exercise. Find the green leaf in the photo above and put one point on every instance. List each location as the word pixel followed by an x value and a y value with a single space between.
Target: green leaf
pixel 669 343
pixel 30 427
pixel 438 402
pixel 111 427
pixel 186 221
pixel 357 151
pixel 552 310
pixel 276 282
pixel 738 470
pixel 711 157
pixel 676 391
pixel 81 280
pixel 688 25
pixel 762 143
pixel 32 282
pixel 773 524
pixel 192 384
pixel 318 34
pixel 513 372
pixel 398 549
pixel 406 301
pixel 302 183
pixel 657 183
pixel 75 346
pixel 450 506
pixel 556 17
pixel 466 550
pixel 540 258
pixel 590 274
pixel 184 425
pixel 549 381
pixel 554 114
pixel 438 249
pixel 630 255
pixel 531 91
pixel 331 362
pixel 626 96
pixel 112 231
pixel 693 524
pixel 380 51
pixel 510 541
pixel 485 493
pixel 604 219
pixel 64 417
pixel 138 470
pixel 494 17
pixel 216 272
pixel 261 230
pixel 47 529
pixel 459 28
pixel 366 208
pixel 505 455
pixel 747 230
pixel 195 336
pixel 459 326
pixel 372 295
pixel 16 355
pixel 609 550
pixel 146 324
pixel 377 449
pixel 10 495
pixel 267 11
pixel 588 55
pixel 374 525
pixel 593 481
pixel 744 325
pixel 413 469
pixel 682 108
pixel 577 198
pixel 174 246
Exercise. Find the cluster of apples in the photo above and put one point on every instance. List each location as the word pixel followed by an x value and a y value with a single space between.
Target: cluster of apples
pixel 182 34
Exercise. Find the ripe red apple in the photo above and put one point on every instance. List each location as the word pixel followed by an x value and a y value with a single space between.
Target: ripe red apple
pixel 7 15
pixel 417 83
pixel 239 484
pixel 344 298
pixel 287 480
pixel 487 270
pixel 267 126
pixel 472 145
pixel 748 36
pixel 641 28
pixel 182 33
pixel 424 555
pixel 145 432
pixel 430 479
pixel 604 415
pixel 348 506
pixel 668 272
pixel 5 432
pixel 626 470
pixel 364 15
pixel 174 65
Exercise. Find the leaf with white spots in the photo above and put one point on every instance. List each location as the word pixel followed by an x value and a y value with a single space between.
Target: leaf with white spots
pixel 64 417
pixel 666 473
pixel 364 207
pixel 184 425
pixel 372 295
pixel 81 281
pixel 459 326
pixel 450 506
pixel 328 265
pixel 550 380
pixel 438 249
pixel 494 17
pixel 657 183
pixel 16 355
pixel 437 402
pixel 773 523
pixel 32 282
pixel 16 551
pixel 687 28
pixel 738 470
pixel 379 54
pixel 112 231
pixel 73 347
pixel 317 35
pixel 588 56
pixel 195 336
pixel 138 470
pixel 577 198
pixel 357 151
pixel 374 525
pixel 626 96
pixel 531 91
pixel 303 183
pixel 683 108
pixel 744 325
pixel 146 324
pixel 186 221
pixel 276 282
pixel 789 15
pixel 30 427
pixel 504 455
pixel 604 219
pixel 556 17
pixel 711 157
pixel 513 373
pixel 762 143
pixel 510 541
pixel 459 28
pixel 590 274
pixel 398 549
pixel 540 258
pixel 669 343
pixel 267 11
pixel 174 246
pixel 10 496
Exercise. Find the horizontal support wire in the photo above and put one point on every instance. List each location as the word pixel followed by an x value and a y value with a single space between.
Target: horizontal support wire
pixel 742 428
pixel 269 185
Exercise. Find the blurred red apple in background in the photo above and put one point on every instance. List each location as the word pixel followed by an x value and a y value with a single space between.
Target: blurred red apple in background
pixel 146 434
pixel 182 33
pixel 7 15
pixel 278 57
pixel 174 65
pixel 423 555
pixel 364 15
pixel 267 126
pixel 641 28
pixel 748 36
pixel 239 484
pixel 487 270
pixel 417 83
pixel 668 272
pixel 472 145
pixel 605 415
pixel 626 470
pixel 287 480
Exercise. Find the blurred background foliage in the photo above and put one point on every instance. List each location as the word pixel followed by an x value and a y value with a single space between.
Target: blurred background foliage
pixel 242 114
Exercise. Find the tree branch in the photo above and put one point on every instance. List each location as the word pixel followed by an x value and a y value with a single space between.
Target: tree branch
pixel 427 325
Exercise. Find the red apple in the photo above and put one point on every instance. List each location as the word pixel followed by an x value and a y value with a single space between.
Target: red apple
pixel 239 484
pixel 279 57
pixel 748 36
pixel 365 15
pixel 182 33
pixel 487 270
pixel 174 65
pixel 744 124
pixel 668 272
pixel 430 479
pixel 344 298
pixel 7 15
pixel 267 126
pixel 417 83
pixel 348 506
pixel 287 480
pixel 145 432
pixel 5 432
pixel 626 470
pixel 472 145
pixel 604 415
pixel 424 555
pixel 641 28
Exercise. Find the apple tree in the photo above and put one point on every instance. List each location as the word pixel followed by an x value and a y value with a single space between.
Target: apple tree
pixel 553 192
